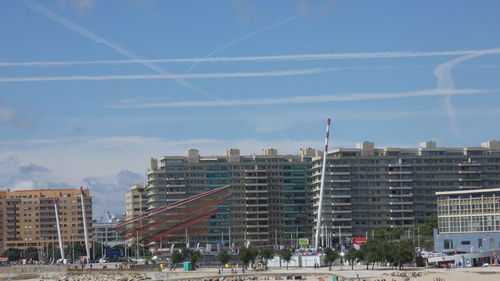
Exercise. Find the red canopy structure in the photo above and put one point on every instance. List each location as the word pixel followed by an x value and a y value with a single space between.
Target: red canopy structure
pixel 171 221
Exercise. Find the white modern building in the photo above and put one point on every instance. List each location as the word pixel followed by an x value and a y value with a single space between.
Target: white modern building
pixel 469 222
pixel 105 234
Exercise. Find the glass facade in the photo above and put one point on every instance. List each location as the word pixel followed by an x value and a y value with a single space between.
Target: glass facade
pixel 474 211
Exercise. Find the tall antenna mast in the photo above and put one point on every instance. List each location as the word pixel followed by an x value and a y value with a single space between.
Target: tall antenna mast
pixel 322 188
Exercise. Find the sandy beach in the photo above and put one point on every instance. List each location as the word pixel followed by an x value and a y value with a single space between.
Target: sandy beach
pixel 359 273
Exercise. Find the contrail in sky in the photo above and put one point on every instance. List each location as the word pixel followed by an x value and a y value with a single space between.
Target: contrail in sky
pixel 258 31
pixel 443 71
pixel 307 99
pixel 445 82
pixel 96 38
pixel 300 57
pixel 292 72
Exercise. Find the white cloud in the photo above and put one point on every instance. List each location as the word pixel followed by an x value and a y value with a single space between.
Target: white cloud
pixel 10 116
pixel 80 6
pixel 109 191
pixel 15 174
pixel 244 11
pixel 32 169
pixel 84 4
pixel 23 185
pixel 7 115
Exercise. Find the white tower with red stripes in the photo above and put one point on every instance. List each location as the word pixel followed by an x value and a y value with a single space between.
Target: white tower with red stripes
pixel 322 189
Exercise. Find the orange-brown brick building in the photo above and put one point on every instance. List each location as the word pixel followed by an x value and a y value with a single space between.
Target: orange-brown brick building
pixel 27 217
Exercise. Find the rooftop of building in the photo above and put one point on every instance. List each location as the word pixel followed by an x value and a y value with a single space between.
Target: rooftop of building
pixel 474 191
pixel 427 145
pixel 138 187
pixel 365 146
pixel 234 152
pixel 42 193
pixel 46 190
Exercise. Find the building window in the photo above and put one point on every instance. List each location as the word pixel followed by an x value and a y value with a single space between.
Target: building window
pixel 467 242
pixel 448 244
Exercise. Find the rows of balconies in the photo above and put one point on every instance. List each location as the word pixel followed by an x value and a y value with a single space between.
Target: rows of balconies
pixel 339 196
pixel 401 203
pixel 400 211
pixel 470 186
pixel 400 187
pixel 399 180
pixel 401 218
pixel 255 212
pixel 400 195
pixel 257 219
pixel 249 205
pixel 256 197
pixel 246 177
pixel 255 184
pixel 257 224
pixel 342 211
pixel 341 219
pixel 469 172
pixel 399 172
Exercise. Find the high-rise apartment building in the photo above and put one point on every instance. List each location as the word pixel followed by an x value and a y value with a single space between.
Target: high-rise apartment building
pixel 275 197
pixel 368 188
pixel 270 200
pixel 27 217
pixel 135 201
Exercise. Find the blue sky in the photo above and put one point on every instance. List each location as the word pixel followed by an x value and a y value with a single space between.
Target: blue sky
pixel 90 90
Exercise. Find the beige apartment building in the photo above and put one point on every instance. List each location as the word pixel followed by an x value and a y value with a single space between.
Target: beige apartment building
pixel 270 201
pixel 369 188
pixel 135 201
pixel 275 197
pixel 27 217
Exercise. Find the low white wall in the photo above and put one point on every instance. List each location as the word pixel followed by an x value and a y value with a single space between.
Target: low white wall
pixel 298 261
